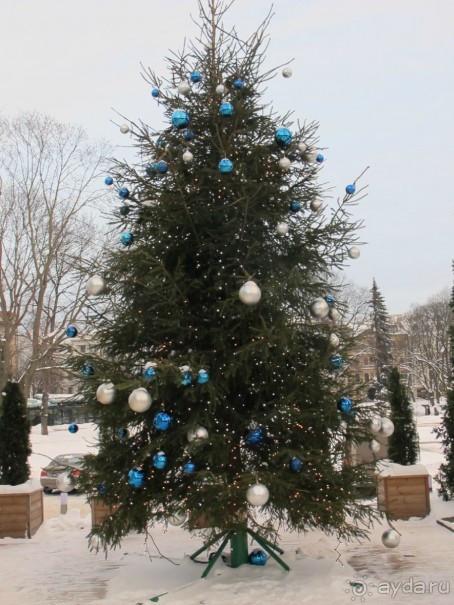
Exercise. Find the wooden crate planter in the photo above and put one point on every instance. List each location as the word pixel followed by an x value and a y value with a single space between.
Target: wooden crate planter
pixel 21 514
pixel 100 510
pixel 403 491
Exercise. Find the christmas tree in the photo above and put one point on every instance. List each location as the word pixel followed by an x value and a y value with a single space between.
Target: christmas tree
pixel 14 436
pixel 383 357
pixel 223 367
pixel 403 444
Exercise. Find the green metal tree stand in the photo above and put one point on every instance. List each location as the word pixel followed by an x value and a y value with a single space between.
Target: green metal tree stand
pixel 239 554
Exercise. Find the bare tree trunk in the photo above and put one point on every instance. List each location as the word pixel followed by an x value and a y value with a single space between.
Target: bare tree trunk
pixel 45 413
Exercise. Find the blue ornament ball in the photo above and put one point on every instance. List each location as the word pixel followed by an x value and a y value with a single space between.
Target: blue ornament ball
pixel 71 331
pixel 226 110
pixel 108 180
pixel 295 464
pixel 258 557
pixel 330 299
pixel 101 488
pixel 73 428
pixel 135 478
pixel 160 460
pixel 162 421
pixel 186 378
pixel 254 437
pixel 239 84
pixel 123 433
pixel 337 362
pixel 155 93
pixel 202 377
pixel 295 206
pixel 283 137
pixel 345 405
pixel 320 157
pixel 160 143
pixel 189 467
pixel 180 119
pixel 126 238
pixel 124 210
pixel 188 134
pixel 195 77
pixel 225 166
pixel 150 374
pixel 162 167
pixel 151 170
pixel 88 369
pixel 124 193
pixel 350 189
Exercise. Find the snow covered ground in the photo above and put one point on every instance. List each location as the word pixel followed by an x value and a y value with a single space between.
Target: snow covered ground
pixel 56 566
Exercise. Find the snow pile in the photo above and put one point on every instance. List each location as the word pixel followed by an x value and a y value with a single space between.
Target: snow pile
pixel 23 488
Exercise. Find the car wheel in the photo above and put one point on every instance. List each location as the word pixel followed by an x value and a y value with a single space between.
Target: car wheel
pixel 47 490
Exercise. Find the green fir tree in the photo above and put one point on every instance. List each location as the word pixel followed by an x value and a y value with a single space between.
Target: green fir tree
pixel 403 444
pixel 14 436
pixel 222 352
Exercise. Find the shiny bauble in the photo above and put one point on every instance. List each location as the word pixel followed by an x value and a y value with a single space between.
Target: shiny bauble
pixel 238 84
pixel 287 72
pixel 180 119
pixel 73 428
pixel 188 134
pixel 283 137
pixel 123 433
pixel 257 494
pixel 124 210
pixel 320 158
pixel 309 156
pixel 108 180
pixel 220 89
pixel 71 331
pixel 282 229
pixel 155 93
pixel 374 446
pixel 390 538
pixel 295 206
pixel 162 167
pixel 337 362
pixel 177 519
pixel 64 482
pixel 88 369
pixel 94 543
pixel 354 252
pixel 334 314
pixel 187 157
pixel 350 189
pixel 123 193
pixel 195 77
pixel 189 468
pixel 375 424
pixel 135 478
pixel 151 170
pixel 95 285
pixel 295 465
pixel 387 427
pixel 225 166
pixel 124 129
pixel 302 147
pixel 202 377
pixel 254 437
pixel 159 461
pixel 226 110
pixel 250 293
pixel 149 371
pixel 319 308
pixel 330 300
pixel 284 163
pixel 316 205
pixel 105 393
pixel 258 557
pixel 198 434
pixel 126 238
pixel 184 88
pixel 345 405
pixel 162 421
pixel 186 376
pixel 334 340
pixel 139 400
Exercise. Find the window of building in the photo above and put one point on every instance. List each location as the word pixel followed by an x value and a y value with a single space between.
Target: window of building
pixel 366 377
pixel 358 378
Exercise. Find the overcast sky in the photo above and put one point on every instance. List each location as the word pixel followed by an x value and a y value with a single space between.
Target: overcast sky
pixel 378 76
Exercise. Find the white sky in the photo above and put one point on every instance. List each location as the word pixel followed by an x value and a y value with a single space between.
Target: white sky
pixel 378 76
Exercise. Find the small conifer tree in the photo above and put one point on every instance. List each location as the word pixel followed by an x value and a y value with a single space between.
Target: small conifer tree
pixel 403 444
pixel 14 436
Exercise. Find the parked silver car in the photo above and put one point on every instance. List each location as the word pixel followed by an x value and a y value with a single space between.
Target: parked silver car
pixel 65 463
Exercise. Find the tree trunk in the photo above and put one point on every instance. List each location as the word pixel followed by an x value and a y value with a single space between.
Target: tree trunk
pixel 45 413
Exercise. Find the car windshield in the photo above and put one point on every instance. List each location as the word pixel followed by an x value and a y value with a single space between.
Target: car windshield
pixel 68 460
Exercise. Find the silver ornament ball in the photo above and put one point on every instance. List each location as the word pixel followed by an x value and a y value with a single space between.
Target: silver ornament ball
pixel 319 308
pixel 302 147
pixel 257 494
pixel 177 519
pixel 282 228
pixel 375 424
pixel 250 293
pixel 390 538
pixel 64 482
pixel 310 156
pixel 354 252
pixel 105 393
pixel 187 157
pixel 139 400
pixel 287 72
pixel 334 340
pixel 387 427
pixel 198 434
pixel 184 88
pixel 284 163
pixel 94 542
pixel 220 89
pixel 334 315
pixel 124 129
pixel 316 205
pixel 95 285
pixel 374 446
